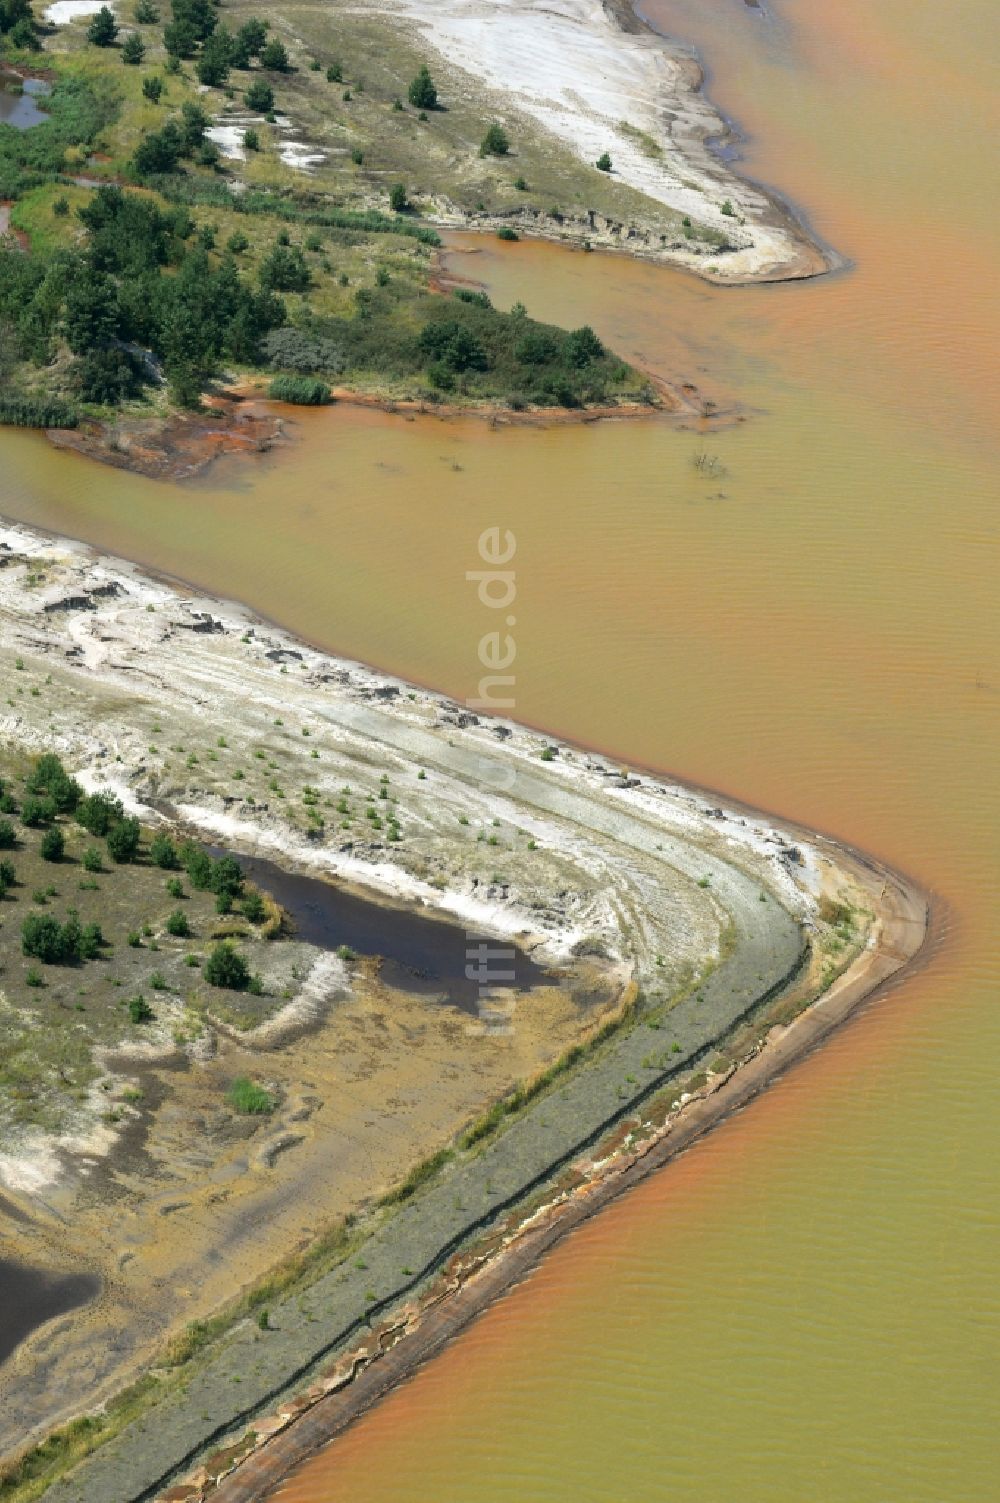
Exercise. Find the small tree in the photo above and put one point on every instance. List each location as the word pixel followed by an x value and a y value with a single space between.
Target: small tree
pixel 49 779
pixel 251 39
pixel 604 162
pixel 163 853
pixel 53 846
pixel 103 29
pixel 177 924
pixel 274 57
pixel 22 34
pixel 152 88
pixel 423 92
pixel 226 968
pixel 216 59
pixel 146 13
pixel 227 877
pixel 198 865
pixel 260 97
pixel 398 201
pixel 8 838
pixel 98 812
pixel 496 142
pixel 139 1010
pixel 254 907
pixel 123 841
pixel 251 142
pixel 133 49
pixel 92 860
pixel 36 812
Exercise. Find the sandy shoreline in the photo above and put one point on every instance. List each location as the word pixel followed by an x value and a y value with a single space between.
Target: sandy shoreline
pixel 119 640
pixel 596 77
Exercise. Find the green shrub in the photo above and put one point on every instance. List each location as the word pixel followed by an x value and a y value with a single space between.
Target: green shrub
pixel 50 779
pixel 53 846
pixel 163 853
pixel 44 938
pixel 152 88
pixel 603 162
pixel 274 57
pixel 36 412
pixel 300 390
pixel 91 940
pixel 8 836
pixel 177 924
pixel 98 812
pixel 422 91
pixel 123 841
pixel 198 865
pixel 139 1010
pixel 36 812
pixel 226 968
pixel 259 97
pixel 103 29
pixel 244 1095
pixel 92 860
pixel 506 233
pixel 133 49
pixel 495 143
pixel 290 349
pixel 254 907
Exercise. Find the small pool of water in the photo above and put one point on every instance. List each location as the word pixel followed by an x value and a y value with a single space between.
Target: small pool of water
pixel 29 1297
pixel 18 106
pixel 418 953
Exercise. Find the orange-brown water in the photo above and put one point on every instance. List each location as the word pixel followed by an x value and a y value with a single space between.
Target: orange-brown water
pixel 805 1307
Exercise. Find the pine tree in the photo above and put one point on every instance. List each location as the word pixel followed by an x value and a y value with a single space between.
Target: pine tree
pixel 103 29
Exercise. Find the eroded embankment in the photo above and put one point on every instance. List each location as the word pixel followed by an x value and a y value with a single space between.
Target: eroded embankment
pixel 703 909
pixel 595 78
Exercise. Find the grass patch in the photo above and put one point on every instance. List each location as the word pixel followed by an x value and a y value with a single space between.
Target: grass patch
pixel 245 1096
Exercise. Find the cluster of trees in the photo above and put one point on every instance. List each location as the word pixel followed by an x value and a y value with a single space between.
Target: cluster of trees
pixel 143 283
pixel 44 938
pixel 193 32
pixel 462 343
pixel 17 23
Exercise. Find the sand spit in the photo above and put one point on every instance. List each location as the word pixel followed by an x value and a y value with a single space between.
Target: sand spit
pixel 253 1467
pixel 591 74
pixel 198 712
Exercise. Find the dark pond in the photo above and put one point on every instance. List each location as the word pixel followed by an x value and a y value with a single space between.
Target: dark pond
pixel 29 1297
pixel 419 954
pixel 18 107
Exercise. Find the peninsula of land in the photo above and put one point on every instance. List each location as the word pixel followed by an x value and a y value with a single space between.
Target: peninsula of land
pixel 192 202
pixel 681 949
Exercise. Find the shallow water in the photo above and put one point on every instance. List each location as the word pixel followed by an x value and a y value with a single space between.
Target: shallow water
pixel 20 109
pixel 805 1306
pixel 418 953
pixel 29 1297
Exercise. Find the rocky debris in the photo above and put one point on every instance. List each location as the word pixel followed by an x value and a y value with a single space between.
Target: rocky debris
pixel 69 603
